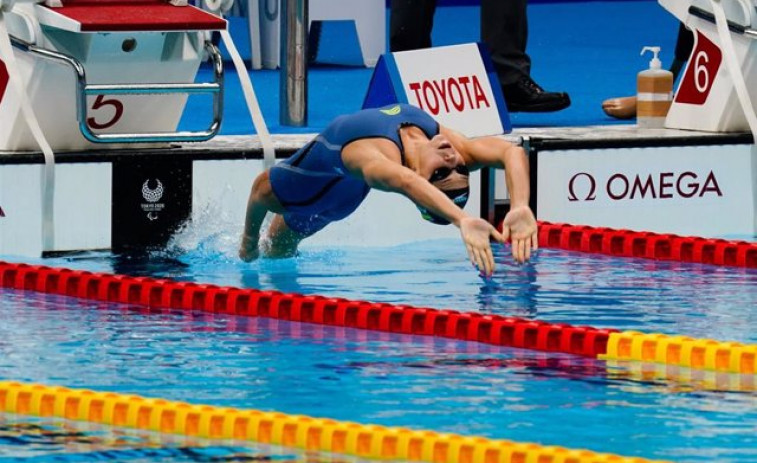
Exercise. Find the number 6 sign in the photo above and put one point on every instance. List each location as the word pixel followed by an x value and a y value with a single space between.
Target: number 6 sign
pixel 700 74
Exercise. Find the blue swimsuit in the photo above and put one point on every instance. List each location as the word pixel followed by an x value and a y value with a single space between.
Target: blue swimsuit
pixel 313 184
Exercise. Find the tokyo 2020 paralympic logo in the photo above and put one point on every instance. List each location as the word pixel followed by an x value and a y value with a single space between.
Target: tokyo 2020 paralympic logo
pixel 152 196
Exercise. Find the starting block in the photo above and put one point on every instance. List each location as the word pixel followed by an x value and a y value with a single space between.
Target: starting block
pixel 107 71
pixel 707 98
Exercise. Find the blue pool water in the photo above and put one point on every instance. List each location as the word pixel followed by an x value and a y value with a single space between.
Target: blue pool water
pixel 557 286
pixel 418 382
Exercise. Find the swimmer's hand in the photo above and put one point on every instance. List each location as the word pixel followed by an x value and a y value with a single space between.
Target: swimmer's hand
pixel 519 226
pixel 476 233
pixel 248 250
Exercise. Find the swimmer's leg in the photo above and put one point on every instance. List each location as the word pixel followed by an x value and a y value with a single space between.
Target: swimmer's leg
pixel 262 200
pixel 281 241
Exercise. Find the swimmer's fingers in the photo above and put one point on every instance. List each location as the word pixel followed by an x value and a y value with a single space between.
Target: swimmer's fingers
pixel 499 237
pixel 483 262
pixel 528 245
pixel 518 250
pixel 471 255
pixel 505 234
pixel 489 260
pixel 527 249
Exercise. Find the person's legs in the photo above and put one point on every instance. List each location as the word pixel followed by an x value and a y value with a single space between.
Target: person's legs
pixel 684 46
pixel 410 24
pixel 261 200
pixel 504 29
pixel 281 241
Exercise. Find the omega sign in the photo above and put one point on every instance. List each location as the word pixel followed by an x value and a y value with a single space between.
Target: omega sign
pixel 584 186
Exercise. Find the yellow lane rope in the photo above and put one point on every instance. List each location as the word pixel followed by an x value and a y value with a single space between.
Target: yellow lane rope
pixel 704 354
pixel 316 434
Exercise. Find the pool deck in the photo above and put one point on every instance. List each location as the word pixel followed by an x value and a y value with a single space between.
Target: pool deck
pixel 552 138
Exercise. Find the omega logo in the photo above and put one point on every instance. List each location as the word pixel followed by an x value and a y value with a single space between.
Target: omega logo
pixel 665 185
pixel 590 196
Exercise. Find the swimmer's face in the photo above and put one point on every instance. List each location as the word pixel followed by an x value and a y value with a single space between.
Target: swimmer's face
pixel 443 165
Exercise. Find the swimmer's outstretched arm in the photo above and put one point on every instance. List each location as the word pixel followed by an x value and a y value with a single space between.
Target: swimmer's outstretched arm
pixel 519 225
pixel 365 159
pixel 261 201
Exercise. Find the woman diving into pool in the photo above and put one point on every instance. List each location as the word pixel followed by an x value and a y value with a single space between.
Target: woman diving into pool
pixel 399 149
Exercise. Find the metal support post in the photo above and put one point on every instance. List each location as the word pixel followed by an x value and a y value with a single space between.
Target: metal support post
pixel 293 83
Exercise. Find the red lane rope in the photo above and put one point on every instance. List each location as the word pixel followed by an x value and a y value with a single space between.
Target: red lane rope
pixel 647 245
pixel 468 326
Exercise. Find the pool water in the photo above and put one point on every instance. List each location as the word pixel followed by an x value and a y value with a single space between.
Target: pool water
pixel 696 300
pixel 398 380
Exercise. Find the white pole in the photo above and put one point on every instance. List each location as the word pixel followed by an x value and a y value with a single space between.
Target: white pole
pixel 48 170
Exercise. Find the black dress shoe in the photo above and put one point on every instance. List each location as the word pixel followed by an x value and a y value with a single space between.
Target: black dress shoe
pixel 525 95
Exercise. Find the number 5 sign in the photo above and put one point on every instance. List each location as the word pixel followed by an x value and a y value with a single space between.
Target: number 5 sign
pixel 700 74
pixel 100 103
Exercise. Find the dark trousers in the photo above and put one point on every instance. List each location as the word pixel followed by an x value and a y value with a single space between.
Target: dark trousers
pixel 504 29
pixel 684 43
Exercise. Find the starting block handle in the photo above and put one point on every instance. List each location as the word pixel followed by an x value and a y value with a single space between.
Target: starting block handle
pixel 733 26
pixel 83 90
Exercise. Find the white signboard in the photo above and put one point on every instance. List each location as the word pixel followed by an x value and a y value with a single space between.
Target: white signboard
pixel 706 191
pixel 451 84
pixel 20 210
pixel 81 208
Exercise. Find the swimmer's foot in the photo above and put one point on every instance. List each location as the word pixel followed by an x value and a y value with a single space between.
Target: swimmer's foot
pixel 620 108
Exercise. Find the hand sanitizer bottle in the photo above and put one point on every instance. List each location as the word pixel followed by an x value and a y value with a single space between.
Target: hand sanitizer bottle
pixel 654 93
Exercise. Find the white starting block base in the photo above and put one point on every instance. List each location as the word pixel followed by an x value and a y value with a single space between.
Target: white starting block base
pixel 707 97
pixel 689 183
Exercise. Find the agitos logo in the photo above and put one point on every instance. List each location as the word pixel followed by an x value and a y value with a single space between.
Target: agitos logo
pixel 665 185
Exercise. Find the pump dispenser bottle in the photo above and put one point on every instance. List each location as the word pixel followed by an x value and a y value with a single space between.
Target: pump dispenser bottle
pixel 654 92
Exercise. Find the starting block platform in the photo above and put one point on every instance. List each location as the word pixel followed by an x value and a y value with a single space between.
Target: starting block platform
pixel 127 16
pixel 108 56
pixel 660 180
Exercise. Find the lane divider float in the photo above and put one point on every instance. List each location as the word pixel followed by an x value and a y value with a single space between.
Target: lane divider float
pixel 701 354
pixel 647 245
pixel 314 434
pixel 586 341
pixel 401 319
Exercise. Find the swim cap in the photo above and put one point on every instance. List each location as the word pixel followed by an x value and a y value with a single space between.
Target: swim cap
pixel 458 196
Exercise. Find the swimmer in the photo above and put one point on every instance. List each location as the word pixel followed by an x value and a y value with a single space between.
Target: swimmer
pixel 399 149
